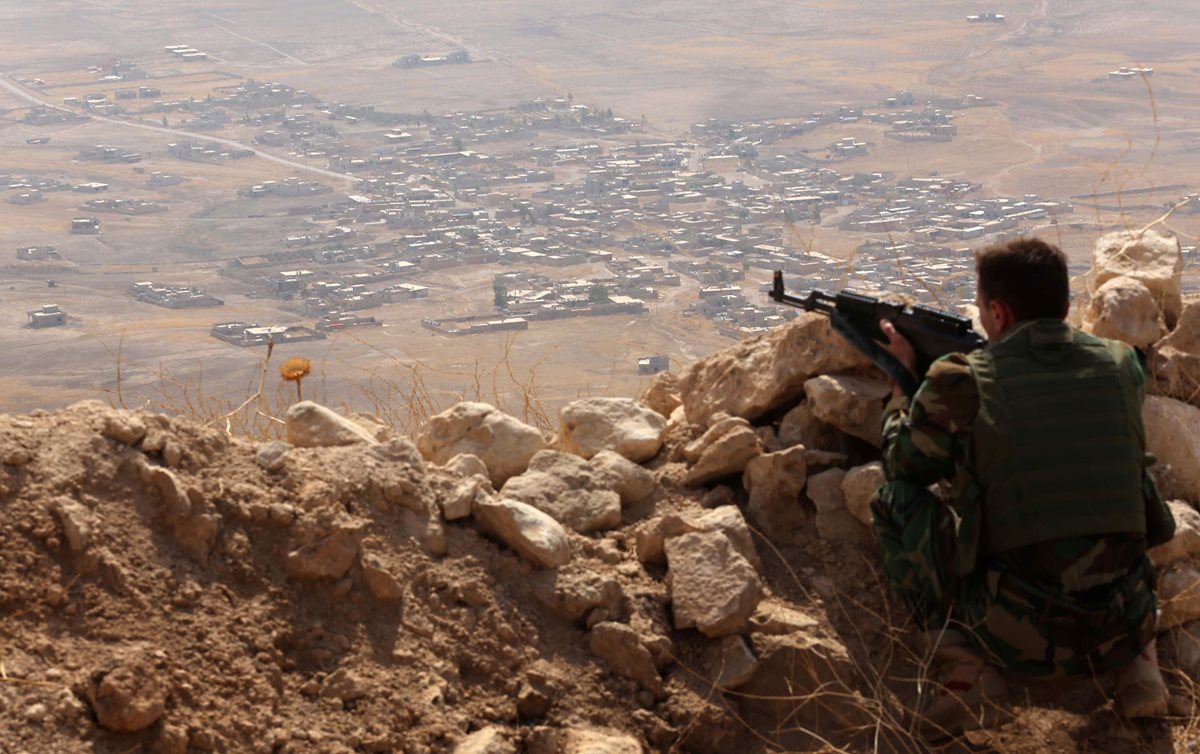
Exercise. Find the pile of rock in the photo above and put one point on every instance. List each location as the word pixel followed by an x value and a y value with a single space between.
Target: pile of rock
pixel 1136 297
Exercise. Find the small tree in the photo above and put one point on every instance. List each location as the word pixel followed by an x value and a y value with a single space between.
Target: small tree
pixel 598 294
pixel 500 295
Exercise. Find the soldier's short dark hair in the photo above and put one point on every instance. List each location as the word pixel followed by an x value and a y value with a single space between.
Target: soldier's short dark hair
pixel 1028 274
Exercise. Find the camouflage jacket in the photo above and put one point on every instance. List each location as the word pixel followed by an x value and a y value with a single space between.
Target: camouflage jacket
pixel 927 440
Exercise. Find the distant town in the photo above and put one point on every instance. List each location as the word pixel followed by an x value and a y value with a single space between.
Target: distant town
pixel 549 183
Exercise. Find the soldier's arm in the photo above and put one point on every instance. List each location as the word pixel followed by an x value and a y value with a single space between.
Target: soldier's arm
pixel 924 438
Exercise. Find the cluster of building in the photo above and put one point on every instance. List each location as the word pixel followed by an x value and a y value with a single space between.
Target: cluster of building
pixel 173 296
pixel 124 206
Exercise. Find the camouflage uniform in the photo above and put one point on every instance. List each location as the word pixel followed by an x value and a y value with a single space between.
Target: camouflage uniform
pixel 1053 608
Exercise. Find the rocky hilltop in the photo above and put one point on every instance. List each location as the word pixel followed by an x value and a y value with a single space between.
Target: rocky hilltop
pixel 688 571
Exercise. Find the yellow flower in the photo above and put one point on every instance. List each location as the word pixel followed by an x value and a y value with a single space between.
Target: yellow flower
pixel 294 369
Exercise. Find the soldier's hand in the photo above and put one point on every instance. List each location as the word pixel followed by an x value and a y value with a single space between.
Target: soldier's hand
pixel 899 347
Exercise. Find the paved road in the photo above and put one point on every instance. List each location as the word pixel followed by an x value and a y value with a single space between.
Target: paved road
pixel 7 83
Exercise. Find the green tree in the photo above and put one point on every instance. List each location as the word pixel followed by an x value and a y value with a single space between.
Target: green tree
pixel 598 294
pixel 500 295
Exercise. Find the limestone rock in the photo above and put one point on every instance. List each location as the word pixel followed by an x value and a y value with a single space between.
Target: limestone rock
pixel 379 580
pixel 77 522
pixel 331 556
pixel 1186 541
pixel 124 427
pixel 128 698
pixel 311 425
pixel 802 678
pixel 175 502
pixel 465 464
pixel 730 662
pixel 373 425
pixel 825 490
pixel 1173 435
pixel 573 594
pixel 599 741
pixel 487 740
pixel 663 393
pixel 776 618
pixel 859 487
pixel 728 520
pixel 457 504
pixel 567 488
pixel 713 588
pixel 761 373
pixel 502 442
pixel 1178 596
pixel 631 481
pixel 534 535
pixel 271 456
pixel 621 649
pixel 776 483
pixel 1124 310
pixel 721 425
pixel 728 454
pixel 1152 259
pixel 344 685
pixel 402 452
pixel 622 425
pixel 852 404
pixel 1176 358
pixel 800 427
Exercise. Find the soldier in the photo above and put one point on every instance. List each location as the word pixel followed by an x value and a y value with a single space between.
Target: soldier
pixel 1037 564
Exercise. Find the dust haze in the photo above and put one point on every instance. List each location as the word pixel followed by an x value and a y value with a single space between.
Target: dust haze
pixel 441 200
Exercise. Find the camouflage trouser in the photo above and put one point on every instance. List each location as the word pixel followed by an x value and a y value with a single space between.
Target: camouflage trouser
pixel 1020 625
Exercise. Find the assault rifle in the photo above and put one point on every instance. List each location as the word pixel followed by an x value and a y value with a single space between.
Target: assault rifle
pixel 855 316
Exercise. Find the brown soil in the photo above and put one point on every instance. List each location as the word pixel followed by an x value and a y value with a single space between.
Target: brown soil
pixel 239 656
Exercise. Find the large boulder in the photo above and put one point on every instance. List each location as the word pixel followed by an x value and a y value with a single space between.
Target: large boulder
pixel 311 425
pixel 504 443
pixel 569 489
pixel 663 393
pixel 1124 309
pixel 800 427
pixel 727 519
pixel 1152 259
pixel 1173 435
pixel 631 481
pixel 534 535
pixel 852 404
pixel 622 425
pixel 767 371
pixel 775 482
pixel 723 450
pixel 1176 358
pixel 713 588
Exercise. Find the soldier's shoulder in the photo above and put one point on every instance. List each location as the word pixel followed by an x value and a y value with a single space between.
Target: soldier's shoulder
pixel 951 370
pixel 949 395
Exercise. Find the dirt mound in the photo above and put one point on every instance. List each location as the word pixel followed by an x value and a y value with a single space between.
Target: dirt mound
pixel 168 588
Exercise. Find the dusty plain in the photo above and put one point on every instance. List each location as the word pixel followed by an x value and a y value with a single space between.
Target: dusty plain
pixel 1055 127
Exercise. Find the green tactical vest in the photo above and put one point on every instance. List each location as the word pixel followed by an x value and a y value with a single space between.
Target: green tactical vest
pixel 1058 441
